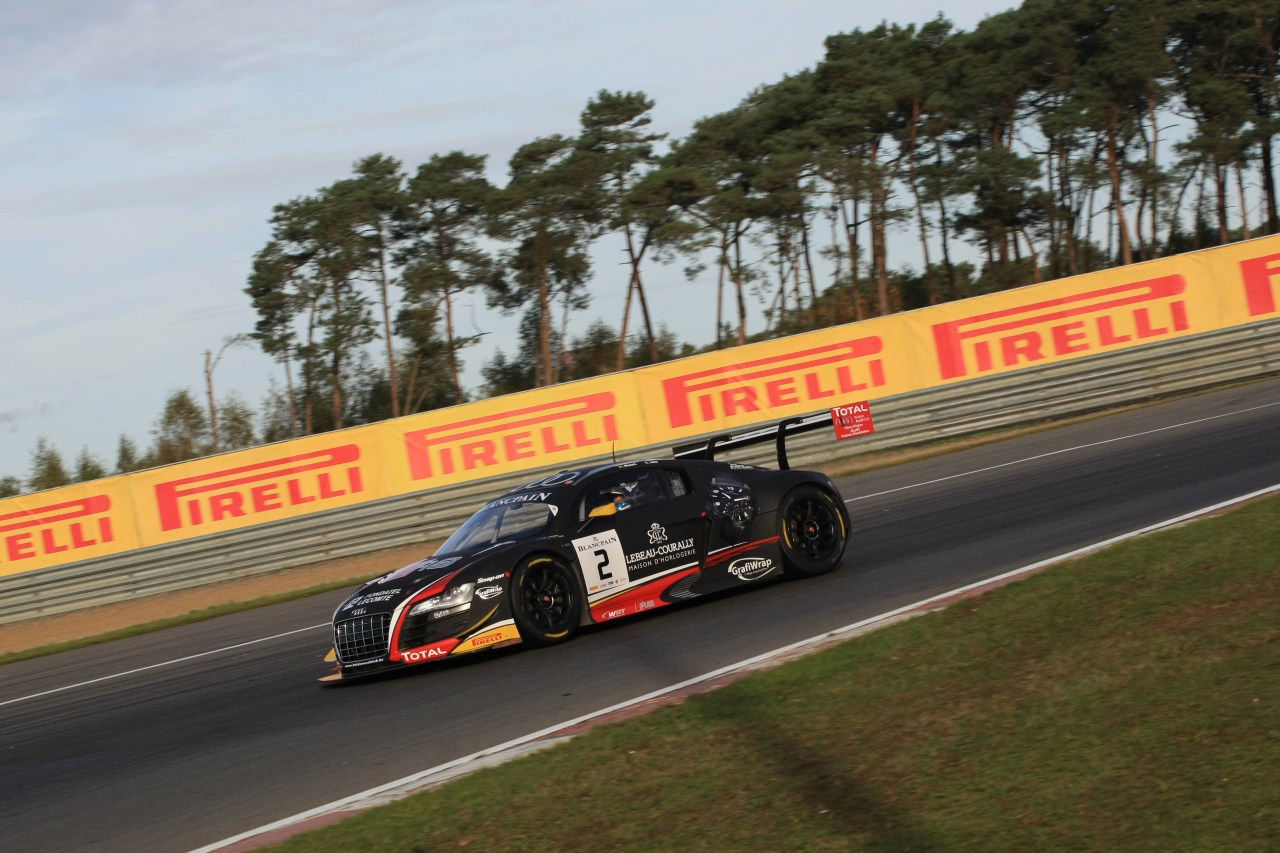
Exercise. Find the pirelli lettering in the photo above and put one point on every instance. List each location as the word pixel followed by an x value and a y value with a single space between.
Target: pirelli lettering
pixel 57 529
pixel 260 489
pixel 576 426
pixel 767 384
pixel 1261 279
pixel 1078 324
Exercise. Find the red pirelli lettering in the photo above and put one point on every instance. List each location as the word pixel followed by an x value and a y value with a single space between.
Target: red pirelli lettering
pixel 260 488
pixel 771 383
pixel 58 528
pixel 474 444
pixel 1261 277
pixel 1080 323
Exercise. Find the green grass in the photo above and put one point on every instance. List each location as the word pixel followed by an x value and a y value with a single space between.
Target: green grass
pixel 1128 700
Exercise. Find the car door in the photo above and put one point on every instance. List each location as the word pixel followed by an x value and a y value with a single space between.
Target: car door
pixel 657 527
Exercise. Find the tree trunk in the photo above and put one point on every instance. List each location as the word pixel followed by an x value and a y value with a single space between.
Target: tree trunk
pixel 878 215
pixel 851 234
pixel 636 285
pixel 723 265
pixel 543 370
pixel 335 364
pixel 735 274
pixel 213 409
pixel 454 372
pixel 293 402
pixel 1117 200
pixel 385 287
pixel 809 274
pixel 1244 205
pixel 1220 188
pixel 1154 157
pixel 931 286
pixel 952 290
pixel 1269 185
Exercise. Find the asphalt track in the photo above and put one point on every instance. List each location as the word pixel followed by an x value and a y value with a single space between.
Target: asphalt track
pixel 178 739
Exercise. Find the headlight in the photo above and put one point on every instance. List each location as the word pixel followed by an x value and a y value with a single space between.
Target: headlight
pixel 456 599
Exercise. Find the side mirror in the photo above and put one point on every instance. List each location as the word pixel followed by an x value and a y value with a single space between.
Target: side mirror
pixel 603 510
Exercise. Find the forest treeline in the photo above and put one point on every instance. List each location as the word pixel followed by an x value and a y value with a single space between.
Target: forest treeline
pixel 911 165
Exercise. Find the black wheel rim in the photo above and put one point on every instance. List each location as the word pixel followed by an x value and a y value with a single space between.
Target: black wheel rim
pixel 548 599
pixel 813 531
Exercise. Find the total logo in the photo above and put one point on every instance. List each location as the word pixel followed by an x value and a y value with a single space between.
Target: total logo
pixel 750 568
pixel 427 653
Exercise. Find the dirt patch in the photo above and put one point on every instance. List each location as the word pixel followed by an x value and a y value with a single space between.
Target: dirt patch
pixel 65 627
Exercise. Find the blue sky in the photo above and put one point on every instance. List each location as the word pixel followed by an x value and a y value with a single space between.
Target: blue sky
pixel 143 145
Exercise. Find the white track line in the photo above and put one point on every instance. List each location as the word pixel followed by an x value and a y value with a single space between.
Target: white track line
pixel 1064 450
pixel 161 664
pixel 521 745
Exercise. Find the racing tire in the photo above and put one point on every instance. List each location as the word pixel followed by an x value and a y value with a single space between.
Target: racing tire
pixel 812 531
pixel 546 601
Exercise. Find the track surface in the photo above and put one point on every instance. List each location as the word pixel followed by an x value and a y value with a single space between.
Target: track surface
pixel 177 756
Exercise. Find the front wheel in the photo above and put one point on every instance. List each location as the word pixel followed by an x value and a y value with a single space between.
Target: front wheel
pixel 812 530
pixel 545 601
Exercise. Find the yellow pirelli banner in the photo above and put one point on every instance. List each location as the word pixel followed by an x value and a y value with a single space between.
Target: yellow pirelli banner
pixel 776 379
pixel 65 526
pixel 546 426
pixel 248 487
pixel 998 333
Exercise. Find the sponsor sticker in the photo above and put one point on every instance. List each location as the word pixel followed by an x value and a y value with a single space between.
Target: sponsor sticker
pixel 664 553
pixel 487 592
pixel 602 560
pixel 372 598
pixel 750 568
pixel 852 420
pixel 436 650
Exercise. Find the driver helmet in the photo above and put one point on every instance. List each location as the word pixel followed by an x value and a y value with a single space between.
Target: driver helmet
pixel 622 495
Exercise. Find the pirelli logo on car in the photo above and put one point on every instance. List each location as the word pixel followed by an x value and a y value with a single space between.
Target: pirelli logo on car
pixel 260 491
pixel 568 428
pixel 60 532
pixel 1261 282
pixel 762 387
pixel 1073 325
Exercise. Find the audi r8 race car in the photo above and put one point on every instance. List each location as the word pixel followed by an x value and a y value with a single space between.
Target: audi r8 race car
pixel 588 546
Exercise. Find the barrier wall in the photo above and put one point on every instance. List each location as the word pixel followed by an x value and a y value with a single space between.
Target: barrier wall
pixel 984 336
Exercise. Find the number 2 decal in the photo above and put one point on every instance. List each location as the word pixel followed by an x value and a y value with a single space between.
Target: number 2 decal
pixel 601 561
pixel 603 556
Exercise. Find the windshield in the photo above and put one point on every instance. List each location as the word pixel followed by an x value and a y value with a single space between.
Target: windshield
pixel 500 523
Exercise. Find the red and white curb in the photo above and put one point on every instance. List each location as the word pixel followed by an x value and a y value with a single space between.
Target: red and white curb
pixel 335 811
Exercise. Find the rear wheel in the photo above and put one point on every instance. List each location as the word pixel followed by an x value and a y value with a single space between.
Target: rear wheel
pixel 545 601
pixel 812 530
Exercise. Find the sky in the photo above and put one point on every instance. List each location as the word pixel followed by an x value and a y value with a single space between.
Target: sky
pixel 143 145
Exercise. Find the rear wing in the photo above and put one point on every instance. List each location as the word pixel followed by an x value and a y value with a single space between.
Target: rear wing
pixel 777 432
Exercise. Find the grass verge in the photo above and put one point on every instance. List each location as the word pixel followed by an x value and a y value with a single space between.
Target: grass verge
pixel 1127 700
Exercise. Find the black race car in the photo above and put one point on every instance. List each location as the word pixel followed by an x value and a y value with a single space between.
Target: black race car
pixel 592 545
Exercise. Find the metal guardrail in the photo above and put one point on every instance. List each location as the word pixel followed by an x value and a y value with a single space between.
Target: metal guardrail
pixel 1027 396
